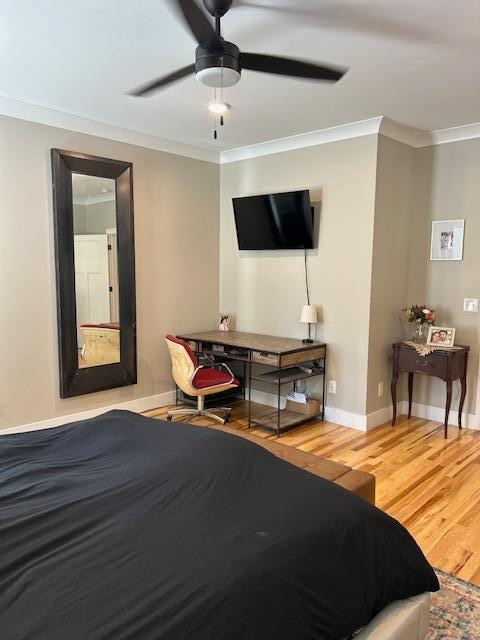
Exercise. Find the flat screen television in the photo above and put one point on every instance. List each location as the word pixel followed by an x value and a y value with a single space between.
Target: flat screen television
pixel 274 221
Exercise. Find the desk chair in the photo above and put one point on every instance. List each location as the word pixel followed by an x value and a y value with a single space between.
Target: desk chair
pixel 198 380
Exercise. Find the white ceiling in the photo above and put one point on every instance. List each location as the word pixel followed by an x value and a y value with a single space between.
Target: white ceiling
pixel 416 62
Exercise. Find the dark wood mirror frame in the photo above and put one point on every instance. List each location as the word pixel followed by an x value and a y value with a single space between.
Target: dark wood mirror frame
pixel 75 381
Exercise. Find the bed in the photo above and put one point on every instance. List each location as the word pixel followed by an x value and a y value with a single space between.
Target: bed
pixel 101 343
pixel 123 527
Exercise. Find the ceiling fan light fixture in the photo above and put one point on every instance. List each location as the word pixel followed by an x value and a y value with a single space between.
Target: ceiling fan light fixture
pixel 218 108
pixel 218 77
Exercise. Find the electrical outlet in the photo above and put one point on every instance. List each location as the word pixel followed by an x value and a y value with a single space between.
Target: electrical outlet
pixel 380 389
pixel 332 386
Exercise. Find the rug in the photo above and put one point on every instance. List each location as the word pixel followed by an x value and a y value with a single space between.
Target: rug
pixel 455 610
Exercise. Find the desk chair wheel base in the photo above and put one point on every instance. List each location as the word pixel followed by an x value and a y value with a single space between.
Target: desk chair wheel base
pixel 201 411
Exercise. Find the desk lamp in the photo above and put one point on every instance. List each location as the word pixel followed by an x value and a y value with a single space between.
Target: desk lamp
pixel 309 315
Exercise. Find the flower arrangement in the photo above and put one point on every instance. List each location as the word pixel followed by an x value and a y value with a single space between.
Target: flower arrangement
pixel 419 314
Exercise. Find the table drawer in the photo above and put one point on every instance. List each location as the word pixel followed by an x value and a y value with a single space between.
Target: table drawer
pixel 433 364
pixel 302 356
pixel 262 357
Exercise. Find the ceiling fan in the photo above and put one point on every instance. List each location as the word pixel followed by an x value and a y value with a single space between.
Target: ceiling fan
pixel 219 63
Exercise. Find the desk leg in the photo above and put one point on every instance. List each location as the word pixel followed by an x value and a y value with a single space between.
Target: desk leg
pixel 278 403
pixel 323 387
pixel 249 394
pixel 394 396
pixel 410 393
pixel 447 406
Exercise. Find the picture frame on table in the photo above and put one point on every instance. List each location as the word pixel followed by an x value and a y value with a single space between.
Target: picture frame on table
pixel 447 240
pixel 224 322
pixel 441 337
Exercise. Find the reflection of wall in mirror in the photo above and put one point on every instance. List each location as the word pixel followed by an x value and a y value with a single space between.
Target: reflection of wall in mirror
pixel 93 218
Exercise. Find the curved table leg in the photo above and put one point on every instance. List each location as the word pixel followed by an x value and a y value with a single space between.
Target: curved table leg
pixel 394 397
pixel 410 393
pixel 447 405
pixel 463 382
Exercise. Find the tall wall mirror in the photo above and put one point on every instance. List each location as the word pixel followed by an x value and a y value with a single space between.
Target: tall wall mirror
pixel 95 269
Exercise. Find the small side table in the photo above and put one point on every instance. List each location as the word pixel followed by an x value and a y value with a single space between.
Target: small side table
pixel 446 365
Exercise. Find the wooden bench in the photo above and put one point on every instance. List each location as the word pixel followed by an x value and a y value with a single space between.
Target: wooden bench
pixel 359 482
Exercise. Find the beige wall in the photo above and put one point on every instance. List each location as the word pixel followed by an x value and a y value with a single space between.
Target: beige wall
pixel 390 267
pixel 377 197
pixel 176 238
pixel 447 187
pixel 266 290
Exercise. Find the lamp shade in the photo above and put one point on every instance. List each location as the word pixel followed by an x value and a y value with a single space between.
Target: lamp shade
pixel 309 314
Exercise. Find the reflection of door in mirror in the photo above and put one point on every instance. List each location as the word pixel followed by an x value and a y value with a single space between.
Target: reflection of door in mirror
pixel 96 270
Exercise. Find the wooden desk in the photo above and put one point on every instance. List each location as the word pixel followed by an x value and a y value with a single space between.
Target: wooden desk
pixel 280 354
pixel 446 365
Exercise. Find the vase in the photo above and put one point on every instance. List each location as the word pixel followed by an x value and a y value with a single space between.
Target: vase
pixel 419 334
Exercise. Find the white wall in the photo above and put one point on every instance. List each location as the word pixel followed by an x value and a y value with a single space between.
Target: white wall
pixel 176 239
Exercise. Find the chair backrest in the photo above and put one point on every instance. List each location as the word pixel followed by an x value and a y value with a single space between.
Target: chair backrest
pixel 184 363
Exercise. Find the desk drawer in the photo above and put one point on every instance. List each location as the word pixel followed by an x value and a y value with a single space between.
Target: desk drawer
pixel 302 356
pixel 434 364
pixel 262 357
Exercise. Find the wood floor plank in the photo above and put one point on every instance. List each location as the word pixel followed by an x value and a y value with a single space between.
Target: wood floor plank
pixel 431 485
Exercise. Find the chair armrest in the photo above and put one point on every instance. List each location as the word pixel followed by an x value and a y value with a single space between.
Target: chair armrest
pixel 225 366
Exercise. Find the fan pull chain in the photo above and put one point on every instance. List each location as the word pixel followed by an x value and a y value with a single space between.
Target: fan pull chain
pixel 219 117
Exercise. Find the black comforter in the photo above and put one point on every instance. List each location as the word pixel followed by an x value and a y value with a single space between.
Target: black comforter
pixel 124 527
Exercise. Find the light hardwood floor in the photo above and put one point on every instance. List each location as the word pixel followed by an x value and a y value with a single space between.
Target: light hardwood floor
pixel 431 485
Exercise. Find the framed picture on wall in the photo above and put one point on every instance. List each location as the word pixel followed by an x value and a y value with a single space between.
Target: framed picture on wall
pixel 447 240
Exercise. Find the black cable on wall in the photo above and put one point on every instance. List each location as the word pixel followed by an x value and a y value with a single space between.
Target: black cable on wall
pixel 306 278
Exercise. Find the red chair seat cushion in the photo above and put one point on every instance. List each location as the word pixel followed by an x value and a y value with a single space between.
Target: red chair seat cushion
pixel 211 377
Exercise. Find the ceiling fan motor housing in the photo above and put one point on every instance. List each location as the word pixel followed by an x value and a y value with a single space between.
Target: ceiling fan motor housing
pixel 220 68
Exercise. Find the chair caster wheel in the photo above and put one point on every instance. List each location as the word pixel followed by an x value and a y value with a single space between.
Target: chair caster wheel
pixel 169 418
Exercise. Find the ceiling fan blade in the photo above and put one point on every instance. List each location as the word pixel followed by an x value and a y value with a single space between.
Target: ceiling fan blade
pixel 198 23
pixel 162 82
pixel 289 67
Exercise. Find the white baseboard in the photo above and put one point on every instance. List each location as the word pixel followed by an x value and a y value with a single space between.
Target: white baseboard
pixel 332 414
pixel 381 416
pixel 137 406
pixel 346 418
pixel 437 414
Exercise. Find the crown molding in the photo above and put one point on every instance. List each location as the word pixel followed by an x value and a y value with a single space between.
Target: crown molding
pixel 416 138
pixel 402 133
pixel 454 134
pixel 303 140
pixel 61 120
